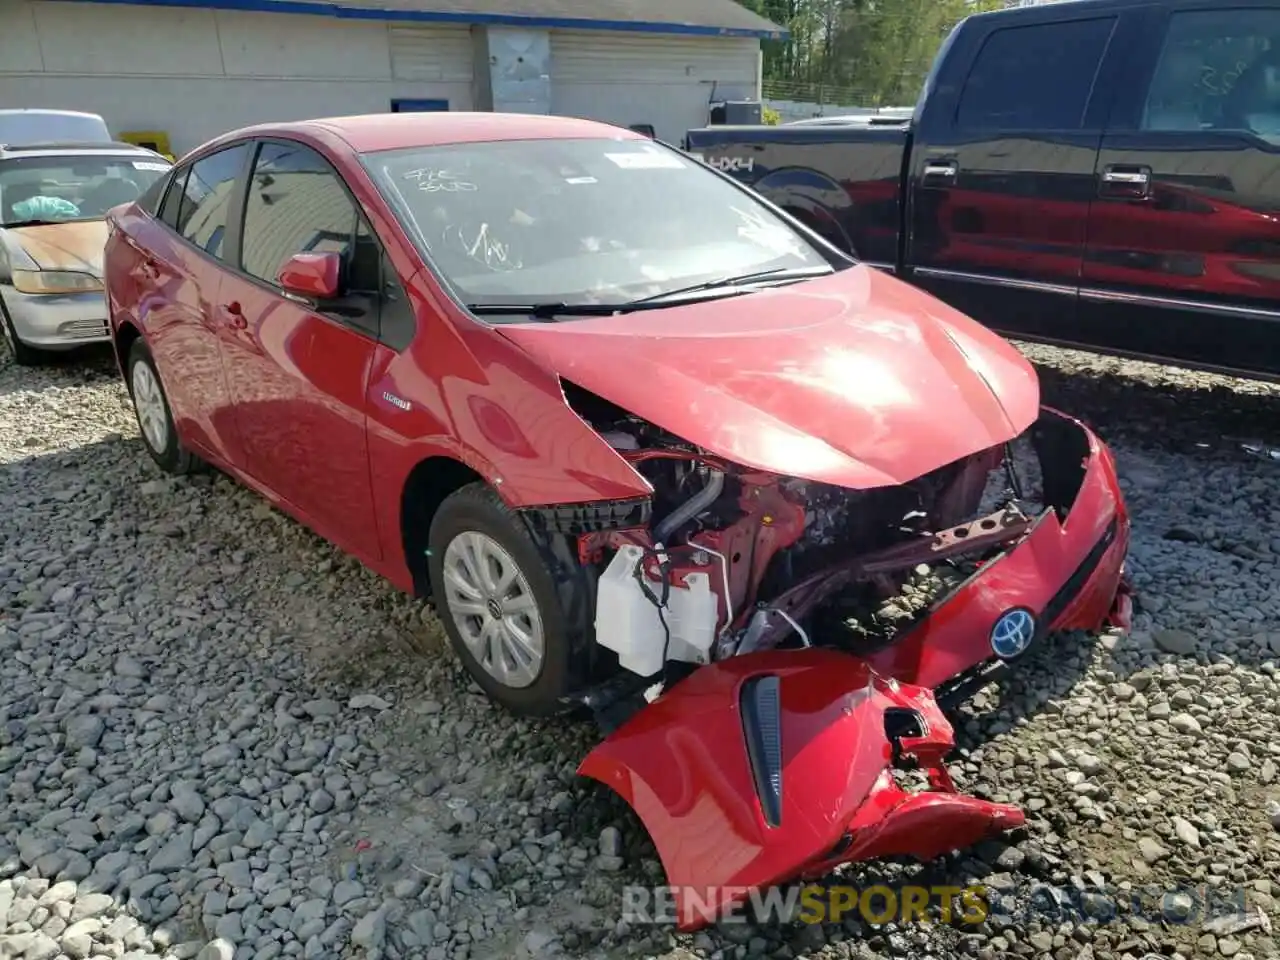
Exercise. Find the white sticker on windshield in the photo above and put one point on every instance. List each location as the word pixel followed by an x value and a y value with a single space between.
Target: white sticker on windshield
pixel 646 160
pixel 150 165
pixel 773 237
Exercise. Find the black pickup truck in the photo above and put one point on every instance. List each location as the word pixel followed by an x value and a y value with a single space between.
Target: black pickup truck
pixel 1100 173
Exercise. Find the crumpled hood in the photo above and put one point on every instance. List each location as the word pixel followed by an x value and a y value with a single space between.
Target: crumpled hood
pixel 856 379
pixel 64 246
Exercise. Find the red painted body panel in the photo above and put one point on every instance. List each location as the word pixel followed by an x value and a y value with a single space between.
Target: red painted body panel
pixel 954 638
pixel 168 290
pixel 839 380
pixel 312 275
pixel 297 383
pixel 683 765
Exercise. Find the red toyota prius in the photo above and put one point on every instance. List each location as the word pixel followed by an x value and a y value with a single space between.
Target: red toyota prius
pixel 651 447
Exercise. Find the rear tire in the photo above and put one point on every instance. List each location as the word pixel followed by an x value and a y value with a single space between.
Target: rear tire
pixel 23 355
pixel 155 421
pixel 498 602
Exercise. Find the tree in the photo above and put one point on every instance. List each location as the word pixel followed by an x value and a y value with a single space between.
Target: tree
pixel 874 52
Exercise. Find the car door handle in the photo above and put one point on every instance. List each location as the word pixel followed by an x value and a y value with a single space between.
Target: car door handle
pixel 1130 182
pixel 940 169
pixel 234 315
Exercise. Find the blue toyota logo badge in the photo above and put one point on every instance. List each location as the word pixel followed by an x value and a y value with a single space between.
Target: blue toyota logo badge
pixel 1013 633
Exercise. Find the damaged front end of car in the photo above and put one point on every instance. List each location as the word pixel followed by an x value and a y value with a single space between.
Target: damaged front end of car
pixel 778 647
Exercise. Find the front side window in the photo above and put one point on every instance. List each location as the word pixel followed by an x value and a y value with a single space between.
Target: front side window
pixel 1034 78
pixel 296 204
pixel 1218 70
pixel 57 189
pixel 206 201
pixel 580 221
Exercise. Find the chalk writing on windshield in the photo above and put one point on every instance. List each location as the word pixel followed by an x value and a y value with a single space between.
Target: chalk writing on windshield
pixel 439 181
pixel 483 248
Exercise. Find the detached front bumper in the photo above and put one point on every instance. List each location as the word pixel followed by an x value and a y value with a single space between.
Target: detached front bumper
pixel 772 766
pixel 776 766
pixel 57 321
pixel 1067 571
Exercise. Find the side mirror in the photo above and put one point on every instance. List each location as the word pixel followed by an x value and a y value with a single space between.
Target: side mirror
pixel 315 276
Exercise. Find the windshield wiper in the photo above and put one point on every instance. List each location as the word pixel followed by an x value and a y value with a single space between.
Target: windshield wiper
pixel 548 311
pixel 35 222
pixel 777 273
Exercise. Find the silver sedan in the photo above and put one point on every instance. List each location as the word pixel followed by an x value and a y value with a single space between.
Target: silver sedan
pixel 53 203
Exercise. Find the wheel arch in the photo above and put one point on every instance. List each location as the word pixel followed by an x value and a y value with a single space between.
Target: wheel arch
pixel 815 199
pixel 122 340
pixel 427 486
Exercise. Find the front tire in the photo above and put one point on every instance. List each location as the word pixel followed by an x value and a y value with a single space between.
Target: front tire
pixel 155 421
pixel 23 355
pixel 498 602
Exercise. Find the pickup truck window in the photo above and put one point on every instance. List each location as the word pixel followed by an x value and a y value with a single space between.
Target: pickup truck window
pixel 1218 70
pixel 1038 77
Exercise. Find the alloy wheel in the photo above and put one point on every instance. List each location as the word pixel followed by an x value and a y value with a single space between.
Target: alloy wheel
pixel 148 401
pixel 493 608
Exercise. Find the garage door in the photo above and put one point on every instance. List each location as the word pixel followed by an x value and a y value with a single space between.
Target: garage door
pixel 432 56
pixel 635 78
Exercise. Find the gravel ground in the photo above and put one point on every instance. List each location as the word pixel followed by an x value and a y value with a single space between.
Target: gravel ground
pixel 221 739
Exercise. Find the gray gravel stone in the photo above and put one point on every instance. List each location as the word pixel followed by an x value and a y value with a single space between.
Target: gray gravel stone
pixel 346 891
pixel 217 950
pixel 1175 641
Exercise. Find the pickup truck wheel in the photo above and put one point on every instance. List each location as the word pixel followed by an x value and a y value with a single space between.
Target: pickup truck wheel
pixel 23 355
pixel 155 421
pixel 498 602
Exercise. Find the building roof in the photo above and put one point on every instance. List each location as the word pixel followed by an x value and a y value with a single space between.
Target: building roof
pixel 724 18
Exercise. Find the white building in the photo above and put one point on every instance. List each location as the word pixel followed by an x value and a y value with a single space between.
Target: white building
pixel 192 69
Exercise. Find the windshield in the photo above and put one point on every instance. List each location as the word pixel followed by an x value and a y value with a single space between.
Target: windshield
pixel 62 188
pixel 581 221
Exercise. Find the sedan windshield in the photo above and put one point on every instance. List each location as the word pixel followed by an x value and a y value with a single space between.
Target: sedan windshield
pixel 564 223
pixel 56 189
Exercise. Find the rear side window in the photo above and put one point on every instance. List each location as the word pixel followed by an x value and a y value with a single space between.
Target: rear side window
pixel 206 200
pixel 1218 70
pixel 151 197
pixel 171 205
pixel 1038 77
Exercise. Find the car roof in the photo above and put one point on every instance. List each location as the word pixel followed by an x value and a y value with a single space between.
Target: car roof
pixel 77 148
pixel 9 111
pixel 368 133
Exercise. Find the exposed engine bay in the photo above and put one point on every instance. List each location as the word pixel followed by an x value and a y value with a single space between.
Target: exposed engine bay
pixel 735 561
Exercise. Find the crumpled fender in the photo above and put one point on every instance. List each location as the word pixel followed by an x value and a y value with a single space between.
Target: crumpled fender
pixel 745 782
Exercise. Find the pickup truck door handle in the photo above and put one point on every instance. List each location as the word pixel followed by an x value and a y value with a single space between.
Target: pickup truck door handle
pixel 940 169
pixel 1125 181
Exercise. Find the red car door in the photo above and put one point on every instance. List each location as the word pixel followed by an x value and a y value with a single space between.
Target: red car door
pixel 177 268
pixel 297 371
